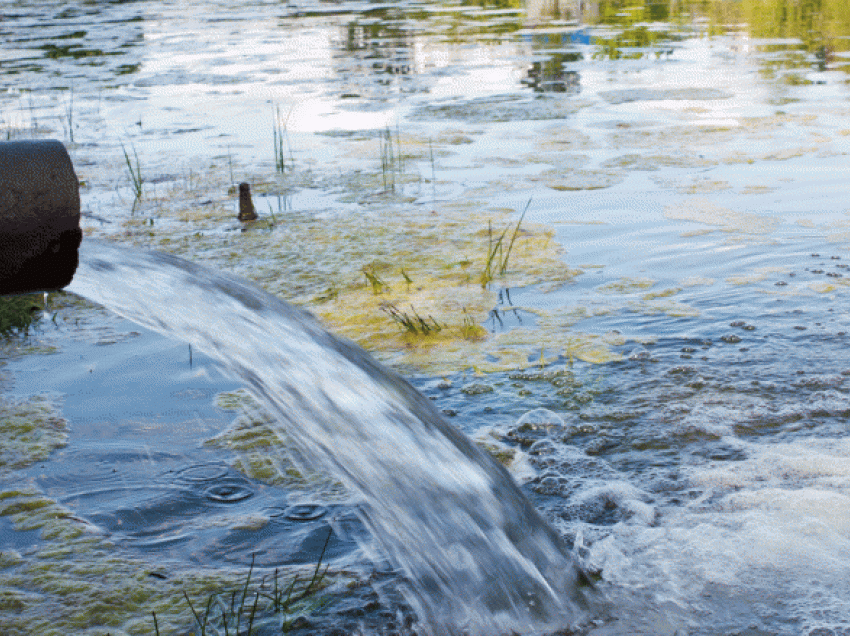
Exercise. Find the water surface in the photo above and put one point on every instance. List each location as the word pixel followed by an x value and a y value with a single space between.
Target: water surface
pixel 691 161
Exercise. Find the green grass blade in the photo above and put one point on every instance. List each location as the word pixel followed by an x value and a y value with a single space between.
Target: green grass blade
pixel 504 265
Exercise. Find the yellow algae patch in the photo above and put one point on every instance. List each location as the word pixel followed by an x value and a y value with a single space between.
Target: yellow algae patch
pixel 757 189
pixel 626 285
pixel 559 137
pixel 756 276
pixel 569 180
pixel 378 274
pixel 508 350
pixel 702 210
pixel 29 431
pixel 705 185
pixel 838 237
pixel 694 281
pixel 788 153
pixel 656 162
pixel 821 287
pixel 693 233
pixel 668 307
pixel 590 348
pixel 664 293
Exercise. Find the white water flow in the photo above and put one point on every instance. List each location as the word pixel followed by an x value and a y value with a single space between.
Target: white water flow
pixel 478 557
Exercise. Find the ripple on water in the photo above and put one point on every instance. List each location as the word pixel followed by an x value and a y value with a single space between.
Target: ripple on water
pixel 304 512
pixel 203 472
pixel 232 492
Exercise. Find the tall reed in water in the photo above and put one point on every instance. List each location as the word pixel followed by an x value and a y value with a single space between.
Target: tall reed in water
pixel 135 172
pixel 280 134
pixel 498 266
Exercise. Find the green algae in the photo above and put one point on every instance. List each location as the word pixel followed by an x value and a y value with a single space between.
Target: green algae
pixel 654 162
pixel 589 179
pixel 75 583
pixel 626 285
pixel 499 108
pixel 349 268
pixel 262 451
pixel 29 431
pixel 664 293
pixel 624 96
pixel 700 210
pixel 19 313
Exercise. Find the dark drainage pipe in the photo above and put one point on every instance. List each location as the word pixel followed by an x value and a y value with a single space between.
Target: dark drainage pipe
pixel 39 217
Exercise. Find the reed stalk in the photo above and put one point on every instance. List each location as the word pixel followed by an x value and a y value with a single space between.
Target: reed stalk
pixel 135 171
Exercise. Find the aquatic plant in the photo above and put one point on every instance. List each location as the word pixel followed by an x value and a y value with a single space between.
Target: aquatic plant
pixel 392 160
pixel 469 329
pixel 69 114
pixel 280 134
pixel 378 285
pixel 236 611
pixel 494 266
pixel 414 324
pixel 135 173
pixel 18 313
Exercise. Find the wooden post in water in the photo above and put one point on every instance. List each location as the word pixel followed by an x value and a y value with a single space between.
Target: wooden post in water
pixel 246 205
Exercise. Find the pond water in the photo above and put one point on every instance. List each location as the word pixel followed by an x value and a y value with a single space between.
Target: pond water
pixel 675 295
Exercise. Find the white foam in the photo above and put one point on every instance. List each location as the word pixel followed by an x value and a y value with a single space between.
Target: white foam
pixel 771 531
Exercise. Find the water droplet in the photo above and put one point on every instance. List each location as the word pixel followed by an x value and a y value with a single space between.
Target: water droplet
pixel 228 493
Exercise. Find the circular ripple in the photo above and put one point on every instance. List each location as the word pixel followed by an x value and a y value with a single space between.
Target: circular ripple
pixel 305 512
pixel 202 472
pixel 228 493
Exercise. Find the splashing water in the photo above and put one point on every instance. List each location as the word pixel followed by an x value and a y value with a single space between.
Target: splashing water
pixel 477 556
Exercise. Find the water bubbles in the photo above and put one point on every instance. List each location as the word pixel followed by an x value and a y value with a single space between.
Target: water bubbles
pixel 641 353
pixel 542 447
pixel 540 419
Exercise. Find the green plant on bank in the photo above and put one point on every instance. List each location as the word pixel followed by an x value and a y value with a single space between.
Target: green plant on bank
pixel 135 173
pixel 392 161
pixel 236 612
pixel 18 313
pixel 414 324
pixel 280 134
pixel 497 254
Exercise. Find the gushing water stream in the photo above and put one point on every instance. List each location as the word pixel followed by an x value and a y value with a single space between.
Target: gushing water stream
pixel 477 556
